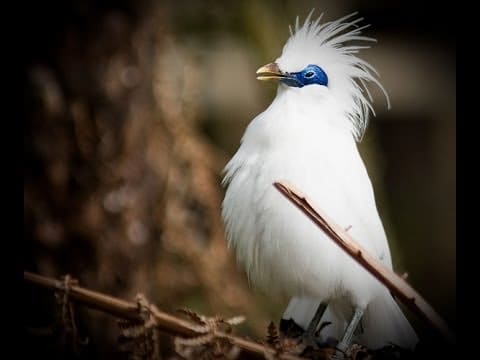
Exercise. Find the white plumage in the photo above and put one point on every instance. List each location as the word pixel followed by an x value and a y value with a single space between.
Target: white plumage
pixel 307 136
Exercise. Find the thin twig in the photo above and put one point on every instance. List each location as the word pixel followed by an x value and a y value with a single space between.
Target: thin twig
pixel 128 310
pixel 396 284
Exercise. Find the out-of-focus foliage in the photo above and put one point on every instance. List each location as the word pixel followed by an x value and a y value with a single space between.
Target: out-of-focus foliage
pixel 133 109
pixel 121 190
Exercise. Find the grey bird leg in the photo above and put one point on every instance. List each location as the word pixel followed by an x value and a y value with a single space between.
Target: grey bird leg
pixel 309 334
pixel 343 345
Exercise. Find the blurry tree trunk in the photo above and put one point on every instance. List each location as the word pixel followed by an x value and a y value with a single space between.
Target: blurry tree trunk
pixel 120 188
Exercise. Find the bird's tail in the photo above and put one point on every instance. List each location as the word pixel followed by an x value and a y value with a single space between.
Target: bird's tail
pixel 383 322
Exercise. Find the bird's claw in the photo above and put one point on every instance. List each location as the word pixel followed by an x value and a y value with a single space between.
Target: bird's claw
pixel 308 339
pixel 338 356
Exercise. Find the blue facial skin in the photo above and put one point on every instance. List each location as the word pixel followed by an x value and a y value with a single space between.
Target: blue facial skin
pixel 312 74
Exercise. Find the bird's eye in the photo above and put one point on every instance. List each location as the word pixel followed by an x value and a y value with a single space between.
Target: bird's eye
pixel 309 74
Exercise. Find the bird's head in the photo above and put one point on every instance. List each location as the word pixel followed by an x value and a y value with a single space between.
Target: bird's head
pixel 320 58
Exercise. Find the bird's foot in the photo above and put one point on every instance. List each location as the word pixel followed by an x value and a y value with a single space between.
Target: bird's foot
pixel 341 352
pixel 338 355
pixel 308 339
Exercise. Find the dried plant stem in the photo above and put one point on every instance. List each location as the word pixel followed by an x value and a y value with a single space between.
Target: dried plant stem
pixel 129 310
pixel 396 284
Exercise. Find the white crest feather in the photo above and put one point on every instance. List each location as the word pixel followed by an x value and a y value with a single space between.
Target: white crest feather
pixel 330 46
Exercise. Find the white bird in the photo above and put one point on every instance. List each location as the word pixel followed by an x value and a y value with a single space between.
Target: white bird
pixel 307 136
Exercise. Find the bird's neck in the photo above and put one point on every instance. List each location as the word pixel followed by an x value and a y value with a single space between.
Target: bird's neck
pixel 310 109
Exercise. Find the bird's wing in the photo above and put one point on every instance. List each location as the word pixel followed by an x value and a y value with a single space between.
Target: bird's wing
pixel 338 183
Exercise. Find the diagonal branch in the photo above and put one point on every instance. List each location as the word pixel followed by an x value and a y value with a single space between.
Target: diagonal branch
pixel 397 285
pixel 165 322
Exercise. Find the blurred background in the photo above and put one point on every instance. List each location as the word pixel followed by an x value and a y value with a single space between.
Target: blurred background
pixel 134 107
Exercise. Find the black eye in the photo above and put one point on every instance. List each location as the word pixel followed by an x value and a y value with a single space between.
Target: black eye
pixel 309 74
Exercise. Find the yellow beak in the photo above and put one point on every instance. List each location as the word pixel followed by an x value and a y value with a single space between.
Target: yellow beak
pixel 270 72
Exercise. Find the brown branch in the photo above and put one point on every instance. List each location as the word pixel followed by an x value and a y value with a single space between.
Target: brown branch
pixel 128 310
pixel 396 284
